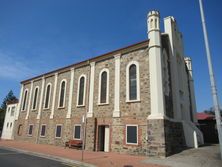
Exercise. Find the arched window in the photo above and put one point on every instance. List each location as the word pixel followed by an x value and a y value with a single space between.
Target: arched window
pixel 24 100
pixel 103 87
pixel 132 82
pixel 35 98
pixel 47 96
pixel 62 93
pixel 81 91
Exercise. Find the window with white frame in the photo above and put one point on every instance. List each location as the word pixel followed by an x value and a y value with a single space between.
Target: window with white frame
pixel 103 97
pixel 62 93
pixel 47 96
pixel 24 100
pixel 81 90
pixel 77 132
pixel 13 111
pixel 132 134
pixel 132 82
pixel 30 130
pixel 43 130
pixel 58 132
pixel 34 102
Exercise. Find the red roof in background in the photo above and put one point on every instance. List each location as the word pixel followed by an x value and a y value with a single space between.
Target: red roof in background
pixel 204 116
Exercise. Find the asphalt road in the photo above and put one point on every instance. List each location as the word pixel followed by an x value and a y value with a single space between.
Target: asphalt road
pixel 17 159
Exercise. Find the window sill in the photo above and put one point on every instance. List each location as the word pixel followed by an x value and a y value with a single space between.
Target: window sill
pixel 29 135
pixel 131 144
pixel 133 101
pixel 33 110
pixel 42 136
pixel 45 109
pixel 102 104
pixel 58 137
pixel 63 107
pixel 79 106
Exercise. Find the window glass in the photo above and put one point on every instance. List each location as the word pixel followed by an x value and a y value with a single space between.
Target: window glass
pixel 62 94
pixel 43 129
pixel 58 130
pixel 132 82
pixel 30 129
pixel 24 100
pixel 12 111
pixel 131 132
pixel 81 90
pixel 103 93
pixel 35 98
pixel 77 132
pixel 47 96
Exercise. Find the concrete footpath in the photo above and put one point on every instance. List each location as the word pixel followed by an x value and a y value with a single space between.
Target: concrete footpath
pixel 73 156
pixel 206 156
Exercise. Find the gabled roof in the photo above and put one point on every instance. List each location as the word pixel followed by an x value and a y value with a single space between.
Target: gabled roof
pixel 123 50
pixel 204 116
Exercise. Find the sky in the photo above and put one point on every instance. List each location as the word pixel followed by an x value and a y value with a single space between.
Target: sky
pixel 37 36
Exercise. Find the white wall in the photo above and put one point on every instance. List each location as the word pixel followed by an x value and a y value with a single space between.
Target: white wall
pixel 9 121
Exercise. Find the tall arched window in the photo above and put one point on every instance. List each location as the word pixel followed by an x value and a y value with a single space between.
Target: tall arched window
pixel 62 93
pixel 47 96
pixel 132 82
pixel 24 100
pixel 34 102
pixel 81 91
pixel 103 87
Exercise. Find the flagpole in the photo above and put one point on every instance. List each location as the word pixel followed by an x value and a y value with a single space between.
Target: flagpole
pixel 212 80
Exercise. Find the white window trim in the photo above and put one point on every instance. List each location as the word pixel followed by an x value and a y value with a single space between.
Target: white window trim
pixel 49 84
pixel 99 89
pixel 64 99
pixel 80 132
pixel 137 81
pixel 77 101
pixel 24 101
pixel 41 130
pixel 29 129
pixel 37 87
pixel 56 130
pixel 136 132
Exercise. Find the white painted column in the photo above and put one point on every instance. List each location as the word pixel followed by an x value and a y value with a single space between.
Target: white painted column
pixel 54 96
pixel 116 112
pixel 91 89
pixel 70 94
pixel 20 102
pixel 29 102
pixel 41 98
pixel 155 67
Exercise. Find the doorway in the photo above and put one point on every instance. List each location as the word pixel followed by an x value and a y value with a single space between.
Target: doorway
pixel 103 138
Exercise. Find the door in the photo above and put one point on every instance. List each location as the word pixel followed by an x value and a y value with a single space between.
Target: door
pixel 103 138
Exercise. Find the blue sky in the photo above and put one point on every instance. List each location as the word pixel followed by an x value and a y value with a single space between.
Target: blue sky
pixel 37 36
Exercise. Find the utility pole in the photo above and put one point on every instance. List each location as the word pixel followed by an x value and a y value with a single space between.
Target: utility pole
pixel 212 80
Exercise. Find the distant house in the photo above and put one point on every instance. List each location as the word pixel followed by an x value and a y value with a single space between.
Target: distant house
pixel 208 127
pixel 9 121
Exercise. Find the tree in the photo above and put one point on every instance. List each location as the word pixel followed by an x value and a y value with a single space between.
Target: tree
pixel 9 98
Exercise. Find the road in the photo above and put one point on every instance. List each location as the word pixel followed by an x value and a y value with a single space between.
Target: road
pixel 17 159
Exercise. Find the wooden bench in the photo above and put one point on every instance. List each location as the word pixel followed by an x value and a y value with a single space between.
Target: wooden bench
pixel 74 144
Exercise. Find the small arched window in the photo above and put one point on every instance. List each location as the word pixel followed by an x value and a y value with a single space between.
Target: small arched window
pixel 62 93
pixel 24 100
pixel 47 96
pixel 132 82
pixel 81 91
pixel 35 98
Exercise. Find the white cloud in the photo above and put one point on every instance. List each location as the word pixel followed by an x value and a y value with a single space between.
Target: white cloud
pixel 14 68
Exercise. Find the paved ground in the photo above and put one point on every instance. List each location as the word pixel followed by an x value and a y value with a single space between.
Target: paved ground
pixel 17 159
pixel 73 156
pixel 206 156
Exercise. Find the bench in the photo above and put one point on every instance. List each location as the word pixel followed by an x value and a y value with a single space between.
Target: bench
pixel 74 144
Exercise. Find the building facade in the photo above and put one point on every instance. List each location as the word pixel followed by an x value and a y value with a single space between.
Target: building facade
pixel 9 122
pixel 137 100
